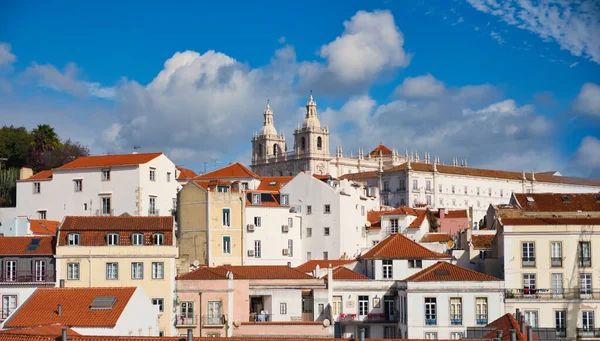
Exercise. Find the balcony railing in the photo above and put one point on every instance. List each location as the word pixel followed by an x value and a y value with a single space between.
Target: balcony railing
pixel 27 276
pixel 211 320
pixel 152 212
pixel 556 261
pixel 430 321
pixel 561 332
pixel 588 332
pixel 552 294
pixel 105 212
pixel 585 262
pixel 184 321
pixel 481 319
pixel 528 261
pixel 456 320
pixel 256 317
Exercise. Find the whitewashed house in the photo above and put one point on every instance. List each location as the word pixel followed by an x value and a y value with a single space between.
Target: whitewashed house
pixel 136 184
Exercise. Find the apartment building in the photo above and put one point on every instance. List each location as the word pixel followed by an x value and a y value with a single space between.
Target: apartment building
pixel 23 226
pixel 121 251
pixel 26 263
pixel 108 185
pixel 211 223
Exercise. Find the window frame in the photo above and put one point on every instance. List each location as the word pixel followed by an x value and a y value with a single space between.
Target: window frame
pixel 556 257
pixel 6 315
pixel 256 199
pixel 327 209
pixel 226 245
pixel 78 185
pixel 112 239
pixel 137 273
pixel 73 239
pixel 326 231
pixel 387 267
pixel 160 302
pixel 257 221
pixel 308 209
pixel 415 263
pixel 226 217
pixel 282 308
pixel 583 260
pixel 106 205
pixel 363 305
pixel 527 250
pixel 105 174
pixel 481 311
pixel 73 268
pixel 137 235
pixel 158 270
pixel 116 271
pixel 257 249
pixel 152 174
pixel 430 311
pixel 37 187
pixel 456 311
pixel 158 238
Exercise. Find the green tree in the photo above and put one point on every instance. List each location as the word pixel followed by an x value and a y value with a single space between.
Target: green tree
pixel 433 223
pixel 44 138
pixel 8 186
pixel 68 151
pixel 14 146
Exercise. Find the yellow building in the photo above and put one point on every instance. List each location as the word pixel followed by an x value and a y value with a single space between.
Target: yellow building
pixel 102 251
pixel 210 218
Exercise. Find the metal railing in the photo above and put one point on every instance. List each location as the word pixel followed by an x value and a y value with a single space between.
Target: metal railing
pixel 552 294
pixel 257 317
pixel 588 332
pixel 153 212
pixel 481 319
pixel 430 321
pixel 212 320
pixel 556 261
pixel 456 320
pixel 585 261
pixel 186 320
pixel 103 212
pixel 27 276
pixel 528 261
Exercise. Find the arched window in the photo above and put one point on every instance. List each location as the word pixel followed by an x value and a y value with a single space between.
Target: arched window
pixel 137 239
pixel 303 143
pixel 73 239
pixel 275 149
pixel 259 150
pixel 112 238
pixel 319 143
pixel 158 239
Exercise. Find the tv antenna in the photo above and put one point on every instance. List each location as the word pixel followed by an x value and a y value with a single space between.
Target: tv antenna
pixel 136 147
pixel 214 162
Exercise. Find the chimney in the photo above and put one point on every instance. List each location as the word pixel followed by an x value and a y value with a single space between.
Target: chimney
pixel 523 327
pixel 25 173
pixel 61 283
pixel 513 335
pixel 518 315
pixel 59 310
pixel 499 333
pixel 362 334
pixel 529 334
pixel 64 334
pixel 442 213
pixel 190 334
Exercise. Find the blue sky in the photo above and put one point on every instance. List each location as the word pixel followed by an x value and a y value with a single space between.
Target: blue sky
pixel 510 86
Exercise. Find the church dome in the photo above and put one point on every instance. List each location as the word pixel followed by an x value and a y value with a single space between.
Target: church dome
pixel 311 120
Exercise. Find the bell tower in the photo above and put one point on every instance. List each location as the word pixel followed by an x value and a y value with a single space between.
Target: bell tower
pixel 267 146
pixel 311 141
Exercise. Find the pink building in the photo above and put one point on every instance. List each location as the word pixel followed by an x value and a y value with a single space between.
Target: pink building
pixel 252 301
pixel 451 221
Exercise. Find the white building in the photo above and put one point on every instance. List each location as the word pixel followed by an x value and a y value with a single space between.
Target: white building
pixel 90 311
pixel 405 220
pixel 136 184
pixel 333 213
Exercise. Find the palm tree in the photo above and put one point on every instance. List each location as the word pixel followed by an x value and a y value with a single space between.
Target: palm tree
pixel 44 138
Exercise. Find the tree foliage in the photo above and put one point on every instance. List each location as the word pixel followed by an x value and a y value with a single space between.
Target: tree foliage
pixel 433 223
pixel 8 186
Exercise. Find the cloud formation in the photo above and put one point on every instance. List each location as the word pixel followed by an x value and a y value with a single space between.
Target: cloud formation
pixel 588 100
pixel 420 87
pixel 6 57
pixel 587 157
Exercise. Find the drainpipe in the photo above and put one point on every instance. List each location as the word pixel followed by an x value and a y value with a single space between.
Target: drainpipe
pixel 64 335
pixel 513 335
pixel 523 327
pixel 243 219
pixel 190 334
pixel 200 312
pixel 499 334
pixel 362 334
pixel 208 241
pixel 230 305
pixel 329 292
pixel 529 334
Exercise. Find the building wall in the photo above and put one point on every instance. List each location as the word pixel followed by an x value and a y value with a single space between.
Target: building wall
pixel 193 212
pixel 139 317
pixel 400 269
pixel 21 291
pixel 14 227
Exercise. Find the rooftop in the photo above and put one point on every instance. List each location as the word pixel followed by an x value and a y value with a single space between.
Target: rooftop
pixel 345 274
pixel 397 246
pixel 385 151
pixel 482 241
pixel 273 183
pixel 26 246
pixel 185 173
pixel 505 323
pixel 45 227
pixel 447 272
pixel 558 202
pixel 233 170
pixel 118 223
pixel 272 272
pixel 311 265
pixel 436 238
pixel 43 175
pixel 117 160
pixel 550 221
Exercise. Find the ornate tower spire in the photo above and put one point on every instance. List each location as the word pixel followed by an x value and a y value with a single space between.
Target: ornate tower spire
pixel 268 127
pixel 311 120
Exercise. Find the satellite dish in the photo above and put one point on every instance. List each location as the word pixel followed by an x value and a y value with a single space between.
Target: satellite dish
pixel 326 323
pixel 450 243
pixel 196 263
pixel 237 323
pixel 368 224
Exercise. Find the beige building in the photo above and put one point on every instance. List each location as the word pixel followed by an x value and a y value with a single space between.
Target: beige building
pixel 210 218
pixel 121 252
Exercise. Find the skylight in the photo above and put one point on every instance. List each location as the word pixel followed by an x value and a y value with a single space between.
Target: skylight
pixel 272 183
pixel 598 198
pixel 442 272
pixel 564 198
pixel 103 303
pixel 530 199
pixel 33 244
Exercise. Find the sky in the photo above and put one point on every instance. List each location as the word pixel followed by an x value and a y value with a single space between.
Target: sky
pixel 506 85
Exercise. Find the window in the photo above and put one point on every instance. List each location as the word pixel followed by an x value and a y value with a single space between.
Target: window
pixel 309 209
pixel 336 307
pixel 168 176
pixel 10 270
pixel 257 221
pixel 187 312
pixel 158 270
pixel 556 254
pixel 42 215
pixel 375 242
pixel 320 308
pixel 327 209
pixel 585 255
pixel 415 263
pixel 308 256
pixel 303 142
pixel 440 188
pixel 226 217
pixel 257 248
pixel 73 271
pixel 428 185
pixel 226 245
pixel 112 270
pixel 585 284
pixel 531 316
pixel 245 186
pixel 430 336
pixel 152 208
pixel 255 198
pixel 478 191
pixel 9 305
pixel 466 190
pixel 112 239
pixel 137 270
pixel 453 189
pixel 560 322
pixel 429 201
pixel 402 185
pixel 152 174
pixel 291 222
pixel 362 210
pixel 285 200
pixel 456 336
pixel 481 311
pixel 78 185
pixel 430 311
pixel 455 311
pixel 106 209
pixel 223 189
pixel 309 232
pixel 557 284
pixel 501 193
pixel 106 174
pixel 37 188
pixel 415 185
pixel 319 143
pixel 387 269
pixel 40 270
pixel 325 255
pixel 529 284
pixel 386 186
pixel 326 231
pixel 587 321
pixel 490 192
pixel 160 303
pixel 389 332
pixel 363 305
pixel 73 239
pixel 393 225
pixel 137 239
pixel 528 254
pixel 291 247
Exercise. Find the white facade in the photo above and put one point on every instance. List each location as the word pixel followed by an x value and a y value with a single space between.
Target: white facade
pixel 22 293
pixel 83 192
pixel 333 216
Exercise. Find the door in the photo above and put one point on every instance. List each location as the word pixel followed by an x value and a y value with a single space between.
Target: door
pixel 187 313
pixel 40 270
pixel 10 271
pixel 587 322
pixel 214 313
pixel 557 285
pixel 389 309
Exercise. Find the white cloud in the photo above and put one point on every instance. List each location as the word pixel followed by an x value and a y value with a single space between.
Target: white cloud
pixel 370 44
pixel 574 25
pixel 420 87
pixel 6 57
pixel 281 40
pixel 497 37
pixel 587 158
pixel 588 100
pixel 573 65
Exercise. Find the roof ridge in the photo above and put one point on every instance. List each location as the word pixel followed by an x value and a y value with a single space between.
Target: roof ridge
pixel 244 168
pixel 440 264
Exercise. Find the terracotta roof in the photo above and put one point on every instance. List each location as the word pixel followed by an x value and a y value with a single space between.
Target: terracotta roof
pixel 505 323
pixel 397 246
pixel 421 215
pixel 266 199
pixel 435 238
pixel 41 307
pixel 47 227
pixel 453 214
pixel 17 246
pixel 374 217
pixel 446 272
pixel 482 241
pixel 245 272
pixel 273 183
pixel 359 176
pixel 43 175
pixel 43 330
pixel 555 202
pixel 185 173
pixel 233 170
pixel 385 151
pixel 211 184
pixel 551 221
pixel 345 274
pixel 117 160
pixel 402 210
pixel 323 264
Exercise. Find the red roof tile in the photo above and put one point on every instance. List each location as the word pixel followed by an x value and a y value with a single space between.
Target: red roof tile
pixel 117 160
pixel 273 183
pixel 41 307
pixel 43 330
pixel 359 176
pixel 505 323
pixel 553 202
pixel 323 264
pixel 17 246
pixel 397 246
pixel 345 274
pixel 421 215
pixel 453 214
pixel 436 238
pixel 245 272
pixel 482 241
pixel 183 338
pixel 402 210
pixel 233 170
pixel 551 221
pixel 385 151
pixel 43 175
pixel 43 227
pixel 185 173
pixel 447 272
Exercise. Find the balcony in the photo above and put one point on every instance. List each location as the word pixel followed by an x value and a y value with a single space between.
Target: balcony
pixel 552 294
pixel 585 262
pixel 456 320
pixel 430 321
pixel 153 212
pixel 257 317
pixel 104 212
pixel 528 262
pixel 481 320
pixel 211 320
pixel 583 333
pixel 184 321
pixel 556 261
pixel 27 276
